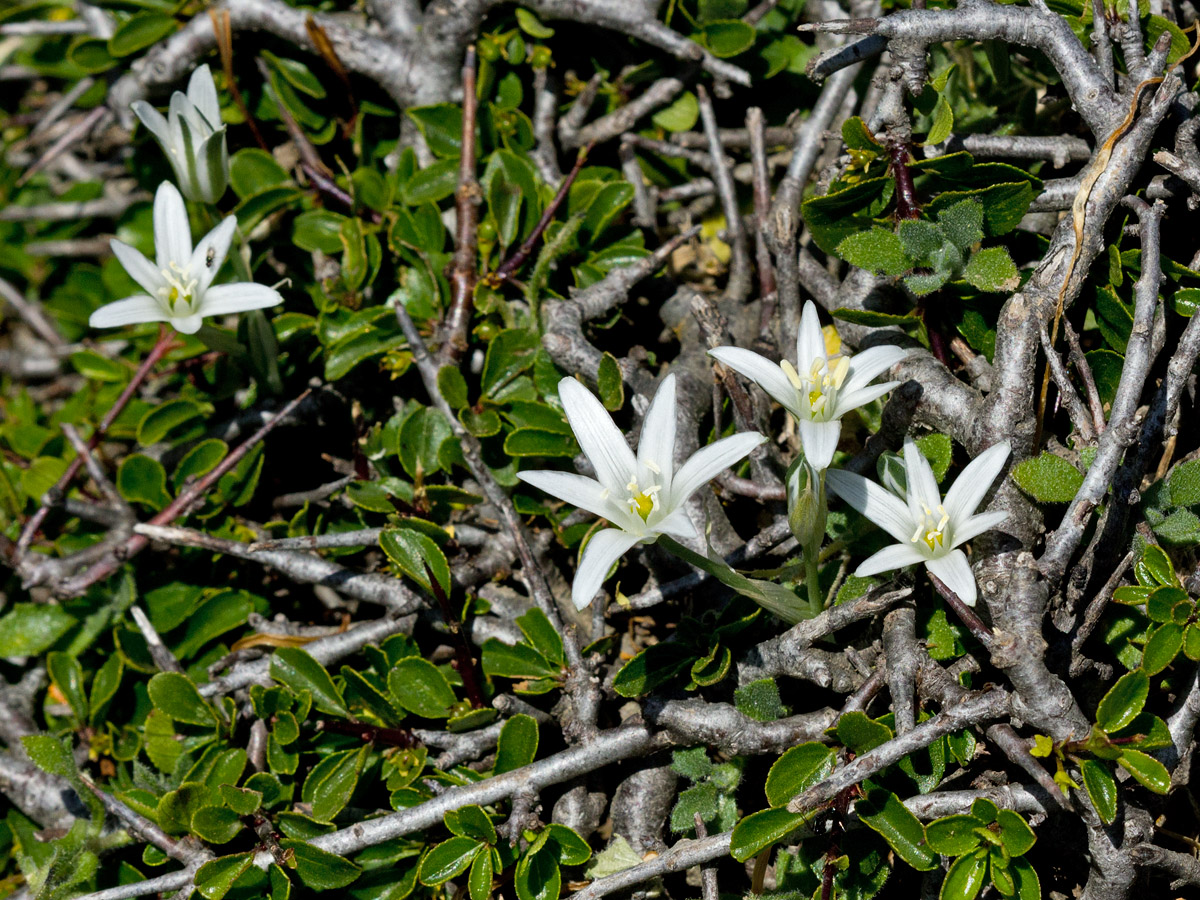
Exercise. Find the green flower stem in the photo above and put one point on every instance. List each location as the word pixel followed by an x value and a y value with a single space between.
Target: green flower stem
pixel 812 578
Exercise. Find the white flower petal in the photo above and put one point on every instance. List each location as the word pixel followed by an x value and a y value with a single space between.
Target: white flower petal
pixel 707 462
pixel 955 572
pixel 977 525
pixel 187 324
pixel 877 504
pixel 866 366
pixel 766 374
pixel 820 440
pixel 976 479
pixel 897 556
pixel 810 342
pixel 172 231
pixel 202 92
pixel 578 490
pixel 604 549
pixel 656 446
pixel 854 399
pixel 139 268
pixel 238 297
pixel 155 121
pixel 601 440
pixel 922 486
pixel 212 167
pixel 210 254
pixel 139 308
pixel 678 525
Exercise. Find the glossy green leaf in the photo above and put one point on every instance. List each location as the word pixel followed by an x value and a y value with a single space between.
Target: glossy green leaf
pixel 140 31
pixel 420 688
pixel 965 878
pixel 1015 834
pixel 297 669
pixel 319 869
pixel 1123 701
pixel 216 877
pixel 883 812
pixel 1162 648
pixel 860 733
pixel 762 829
pixel 517 745
pixel 177 697
pixel 1148 771
pixel 953 835
pixel 797 770
pixel 1101 788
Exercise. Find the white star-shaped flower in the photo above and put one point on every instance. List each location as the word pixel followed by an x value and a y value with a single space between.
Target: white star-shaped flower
pixel 179 284
pixel 821 389
pixel 643 495
pixel 193 137
pixel 927 527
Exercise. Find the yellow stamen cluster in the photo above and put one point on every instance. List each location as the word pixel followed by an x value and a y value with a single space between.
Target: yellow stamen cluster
pixel 821 383
pixel 179 288
pixel 642 502
pixel 934 535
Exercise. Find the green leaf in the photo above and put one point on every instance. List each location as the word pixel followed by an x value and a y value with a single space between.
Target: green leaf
pixel 91 55
pixel 542 635
pixel 453 386
pixel 927 284
pixel 965 878
pixel 1101 788
pixel 953 835
pixel 877 250
pixel 50 755
pixel 215 824
pixel 227 610
pixel 1157 566
pixel 939 451
pixel 420 688
pixel 471 821
pixel 1048 478
pixel 432 183
pixel 760 700
pixel 98 368
pixel 651 668
pixel 992 269
pixel 727 37
pixel 242 801
pixel 609 383
pixel 251 170
pixel 873 319
pixel 141 479
pixel 943 122
pixel 479 882
pixel 1015 834
pixel 537 876
pixel 797 770
pixel 318 229
pixel 1149 772
pixel 300 672
pixel 517 745
pixel 411 551
pixel 572 849
pixel 962 222
pixel 1180 529
pixel 216 877
pixel 857 136
pixel 441 126
pixel 1162 648
pixel 140 31
pixel 860 733
pixel 1184 483
pixel 30 629
pixel 67 675
pixel 608 203
pixel 760 830
pixel 536 442
pixel 178 698
pixel 681 115
pixel 919 239
pixel 319 869
pixel 883 812
pixel 331 783
pixel 513 661
pixel 1123 701
pixel 1029 887
pixel 104 688
pixel 1191 642
pixel 699 799
pixel 529 24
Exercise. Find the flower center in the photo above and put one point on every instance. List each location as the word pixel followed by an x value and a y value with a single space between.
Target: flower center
pixel 179 289
pixel 820 384
pixel 932 528
pixel 641 501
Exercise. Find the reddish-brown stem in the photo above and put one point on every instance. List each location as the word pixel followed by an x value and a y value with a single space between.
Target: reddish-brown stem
pixel 465 268
pixel 376 734
pixel 166 339
pixel 509 267
pixel 178 507
pixel 982 632
pixel 906 194
pixel 464 658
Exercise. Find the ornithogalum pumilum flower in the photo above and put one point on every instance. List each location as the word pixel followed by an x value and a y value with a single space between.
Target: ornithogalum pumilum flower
pixel 193 137
pixel 928 528
pixel 178 285
pixel 821 388
pixel 643 496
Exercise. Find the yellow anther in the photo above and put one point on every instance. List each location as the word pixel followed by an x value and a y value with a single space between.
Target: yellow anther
pixel 793 376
